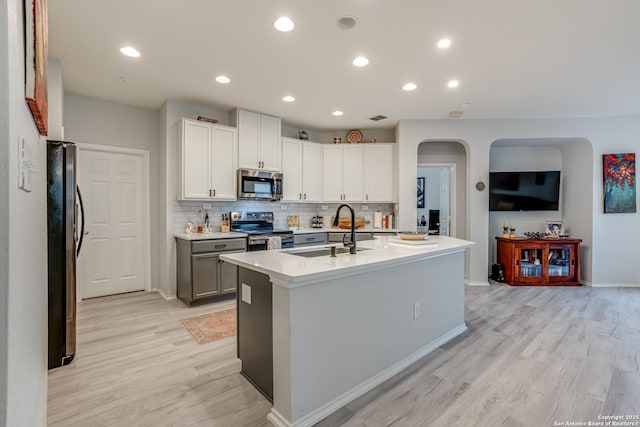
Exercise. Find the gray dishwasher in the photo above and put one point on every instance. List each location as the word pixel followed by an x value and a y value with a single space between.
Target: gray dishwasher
pixel 201 273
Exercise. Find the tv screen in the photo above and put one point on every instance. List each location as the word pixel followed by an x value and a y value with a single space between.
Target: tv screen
pixel 524 191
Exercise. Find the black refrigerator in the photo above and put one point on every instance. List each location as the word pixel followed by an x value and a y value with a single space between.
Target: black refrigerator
pixel 63 244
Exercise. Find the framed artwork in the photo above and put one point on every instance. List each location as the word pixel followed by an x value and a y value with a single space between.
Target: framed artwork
pixel 421 192
pixel 36 57
pixel 619 182
pixel 554 228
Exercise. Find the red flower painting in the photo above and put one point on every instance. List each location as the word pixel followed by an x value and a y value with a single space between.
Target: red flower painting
pixel 619 176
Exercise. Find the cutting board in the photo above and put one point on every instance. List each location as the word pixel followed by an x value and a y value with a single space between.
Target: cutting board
pixel 414 243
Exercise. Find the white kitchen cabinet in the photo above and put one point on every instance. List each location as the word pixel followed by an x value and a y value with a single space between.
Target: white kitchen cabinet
pixel 343 173
pixel 379 176
pixel 302 170
pixel 207 159
pixel 259 141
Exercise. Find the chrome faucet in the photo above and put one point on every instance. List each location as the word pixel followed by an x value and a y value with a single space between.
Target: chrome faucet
pixel 352 244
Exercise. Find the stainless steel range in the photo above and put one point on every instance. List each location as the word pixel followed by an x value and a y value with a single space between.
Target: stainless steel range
pixel 259 227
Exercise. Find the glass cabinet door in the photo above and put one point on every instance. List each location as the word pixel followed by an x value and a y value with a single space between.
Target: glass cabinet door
pixel 530 262
pixel 559 262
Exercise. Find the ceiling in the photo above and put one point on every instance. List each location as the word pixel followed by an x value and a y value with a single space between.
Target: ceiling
pixel 513 59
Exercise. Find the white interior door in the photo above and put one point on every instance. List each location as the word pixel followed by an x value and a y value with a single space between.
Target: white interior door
pixel 112 259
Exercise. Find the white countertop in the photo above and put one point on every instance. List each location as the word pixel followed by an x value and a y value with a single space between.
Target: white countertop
pixel 292 270
pixel 208 236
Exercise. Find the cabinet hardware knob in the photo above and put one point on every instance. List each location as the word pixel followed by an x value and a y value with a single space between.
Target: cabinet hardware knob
pixel 299 196
pixel 305 196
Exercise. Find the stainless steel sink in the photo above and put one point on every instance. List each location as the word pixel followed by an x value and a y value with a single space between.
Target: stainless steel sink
pixel 323 252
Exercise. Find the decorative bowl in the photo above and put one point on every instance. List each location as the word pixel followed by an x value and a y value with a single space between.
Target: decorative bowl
pixel 411 235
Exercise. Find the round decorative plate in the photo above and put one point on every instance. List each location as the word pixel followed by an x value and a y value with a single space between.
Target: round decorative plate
pixel 354 136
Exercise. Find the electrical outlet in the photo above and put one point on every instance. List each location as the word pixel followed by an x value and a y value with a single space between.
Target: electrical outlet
pixel 416 310
pixel 246 293
pixel 283 207
pixel 365 207
pixel 324 207
pixel 206 206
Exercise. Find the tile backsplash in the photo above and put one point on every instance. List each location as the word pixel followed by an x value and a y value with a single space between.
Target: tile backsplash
pixel 184 211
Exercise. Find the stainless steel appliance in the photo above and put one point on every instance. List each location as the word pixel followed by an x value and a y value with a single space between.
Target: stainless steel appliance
pixel 259 185
pixel 64 241
pixel 259 227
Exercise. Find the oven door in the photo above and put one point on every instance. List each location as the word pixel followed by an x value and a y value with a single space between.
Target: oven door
pixel 254 184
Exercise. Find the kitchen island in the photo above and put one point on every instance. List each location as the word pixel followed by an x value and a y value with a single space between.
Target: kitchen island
pixel 343 325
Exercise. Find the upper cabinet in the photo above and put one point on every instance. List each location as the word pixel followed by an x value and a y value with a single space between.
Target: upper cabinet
pixel 343 173
pixel 379 172
pixel 207 159
pixel 259 140
pixel 302 170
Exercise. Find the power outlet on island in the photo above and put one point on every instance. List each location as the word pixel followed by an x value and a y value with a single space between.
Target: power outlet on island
pixel 324 207
pixel 283 207
pixel 416 310
pixel 365 207
pixel 206 206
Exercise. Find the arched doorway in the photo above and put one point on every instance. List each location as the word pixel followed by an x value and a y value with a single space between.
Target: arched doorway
pixel 445 162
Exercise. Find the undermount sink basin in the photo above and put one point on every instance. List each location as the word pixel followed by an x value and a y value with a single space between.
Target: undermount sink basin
pixel 323 252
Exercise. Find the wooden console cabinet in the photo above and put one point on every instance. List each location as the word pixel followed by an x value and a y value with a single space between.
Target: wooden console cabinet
pixel 536 262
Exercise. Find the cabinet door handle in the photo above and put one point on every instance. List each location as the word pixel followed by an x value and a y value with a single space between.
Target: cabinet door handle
pixel 573 262
pixel 517 262
pixel 209 192
pixel 366 197
pixel 299 196
pixel 214 192
pixel 220 246
pixel 305 196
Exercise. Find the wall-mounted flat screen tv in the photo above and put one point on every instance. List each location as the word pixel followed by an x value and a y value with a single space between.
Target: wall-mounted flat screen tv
pixel 524 191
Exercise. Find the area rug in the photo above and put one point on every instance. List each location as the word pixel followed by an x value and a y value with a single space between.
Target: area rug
pixel 211 326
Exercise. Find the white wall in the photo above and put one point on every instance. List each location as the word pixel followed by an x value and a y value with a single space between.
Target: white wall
pixel 614 260
pixel 23 233
pixel 577 168
pixel 522 158
pixel 55 90
pixel 95 121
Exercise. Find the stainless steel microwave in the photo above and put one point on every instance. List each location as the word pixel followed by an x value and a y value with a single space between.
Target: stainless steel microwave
pixel 259 185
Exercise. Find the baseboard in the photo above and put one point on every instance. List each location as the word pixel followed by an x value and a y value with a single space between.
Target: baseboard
pixel 611 285
pixel 476 283
pixel 340 401
pixel 165 296
pixel 277 420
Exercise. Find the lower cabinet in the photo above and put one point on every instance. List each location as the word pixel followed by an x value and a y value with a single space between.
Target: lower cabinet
pixel 201 273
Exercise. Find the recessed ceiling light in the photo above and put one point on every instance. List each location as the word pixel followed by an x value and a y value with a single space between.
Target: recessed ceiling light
pixel 360 61
pixel 453 83
pixel 337 113
pixel 130 51
pixel 409 87
pixel 288 98
pixel 283 24
pixel 223 79
pixel 465 104
pixel 444 43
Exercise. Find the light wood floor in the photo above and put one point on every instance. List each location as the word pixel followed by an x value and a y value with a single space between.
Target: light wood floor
pixel 531 356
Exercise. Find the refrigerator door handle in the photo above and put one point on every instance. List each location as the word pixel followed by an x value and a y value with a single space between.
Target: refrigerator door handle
pixel 82 232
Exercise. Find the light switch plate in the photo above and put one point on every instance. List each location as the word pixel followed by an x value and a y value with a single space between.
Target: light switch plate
pixel 246 293
pixel 25 165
